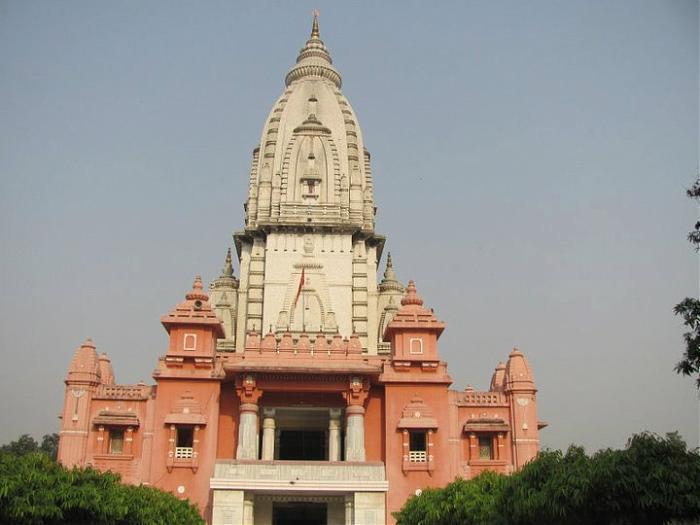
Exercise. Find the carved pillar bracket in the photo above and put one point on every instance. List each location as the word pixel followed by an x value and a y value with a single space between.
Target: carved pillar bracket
pixel 247 389
pixel 357 392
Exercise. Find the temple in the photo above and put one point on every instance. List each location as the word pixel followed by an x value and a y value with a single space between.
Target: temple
pixel 305 389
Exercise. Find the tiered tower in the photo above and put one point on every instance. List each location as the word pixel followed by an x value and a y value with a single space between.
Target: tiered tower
pixel 308 254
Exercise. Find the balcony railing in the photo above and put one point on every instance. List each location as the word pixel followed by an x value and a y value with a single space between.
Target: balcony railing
pixel 299 476
pixel 184 452
pixel 417 456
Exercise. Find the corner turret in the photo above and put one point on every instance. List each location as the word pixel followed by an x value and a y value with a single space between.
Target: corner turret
pixel 224 298
pixel 521 391
pixel 106 370
pixel 414 330
pixel 498 380
pixel 82 380
pixel 390 293
pixel 193 326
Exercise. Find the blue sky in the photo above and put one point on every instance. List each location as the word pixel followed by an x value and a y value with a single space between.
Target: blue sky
pixel 530 161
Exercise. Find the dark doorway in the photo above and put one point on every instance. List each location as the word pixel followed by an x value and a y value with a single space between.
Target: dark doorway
pixel 299 513
pixel 302 445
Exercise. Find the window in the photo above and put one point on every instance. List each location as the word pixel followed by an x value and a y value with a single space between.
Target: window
pixel 116 441
pixel 485 447
pixel 417 449
pixel 184 443
pixel 190 342
pixel 416 345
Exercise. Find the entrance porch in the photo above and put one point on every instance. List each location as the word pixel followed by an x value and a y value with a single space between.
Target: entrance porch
pixel 295 492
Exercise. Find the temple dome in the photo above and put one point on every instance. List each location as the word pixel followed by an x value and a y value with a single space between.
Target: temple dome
pixel 311 151
pixel 84 367
pixel 518 374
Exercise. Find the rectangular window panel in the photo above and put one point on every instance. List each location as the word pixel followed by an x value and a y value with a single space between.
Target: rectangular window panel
pixel 185 436
pixel 485 447
pixel 184 443
pixel 116 441
pixel 417 447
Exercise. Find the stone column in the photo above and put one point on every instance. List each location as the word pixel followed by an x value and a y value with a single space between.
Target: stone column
pixel 248 510
pixel 334 435
pixel 268 439
pixel 355 433
pixel 349 505
pixel 248 432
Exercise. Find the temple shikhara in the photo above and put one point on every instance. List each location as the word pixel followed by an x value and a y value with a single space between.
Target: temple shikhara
pixel 306 389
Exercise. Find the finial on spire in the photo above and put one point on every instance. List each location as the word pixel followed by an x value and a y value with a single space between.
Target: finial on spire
pixel 314 60
pixel 314 26
pixel 389 273
pixel 197 293
pixel 411 296
pixel 228 265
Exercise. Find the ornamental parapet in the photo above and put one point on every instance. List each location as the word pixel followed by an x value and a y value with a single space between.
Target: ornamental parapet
pixel 474 398
pixel 286 476
pixel 123 392
pixel 316 346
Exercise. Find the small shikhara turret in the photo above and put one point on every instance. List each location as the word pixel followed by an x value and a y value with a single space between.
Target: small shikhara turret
pixel 223 293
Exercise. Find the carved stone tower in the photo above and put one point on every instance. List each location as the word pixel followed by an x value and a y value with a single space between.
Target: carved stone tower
pixel 308 255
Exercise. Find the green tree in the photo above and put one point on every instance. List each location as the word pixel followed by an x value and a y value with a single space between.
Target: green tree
pixel 652 481
pixel 461 502
pixel 49 445
pixel 25 444
pixel 689 310
pixel 34 490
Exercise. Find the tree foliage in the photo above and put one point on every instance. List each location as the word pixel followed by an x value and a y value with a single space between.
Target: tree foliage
pixel 652 481
pixel 34 490
pixel 689 310
pixel 26 444
pixel 464 502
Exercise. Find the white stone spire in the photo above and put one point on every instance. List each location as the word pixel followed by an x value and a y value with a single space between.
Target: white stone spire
pixel 311 128
pixel 308 255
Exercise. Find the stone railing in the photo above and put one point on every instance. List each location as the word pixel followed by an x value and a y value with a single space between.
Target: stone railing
pixel 481 398
pixel 184 452
pixel 316 476
pixel 122 392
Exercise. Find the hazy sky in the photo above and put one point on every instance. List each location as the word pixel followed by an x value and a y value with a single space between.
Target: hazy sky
pixel 530 161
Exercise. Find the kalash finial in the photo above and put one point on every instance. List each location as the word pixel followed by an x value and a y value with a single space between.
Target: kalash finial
pixel 197 293
pixel 314 26
pixel 411 297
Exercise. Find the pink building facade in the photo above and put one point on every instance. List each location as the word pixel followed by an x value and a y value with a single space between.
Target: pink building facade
pixel 303 390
